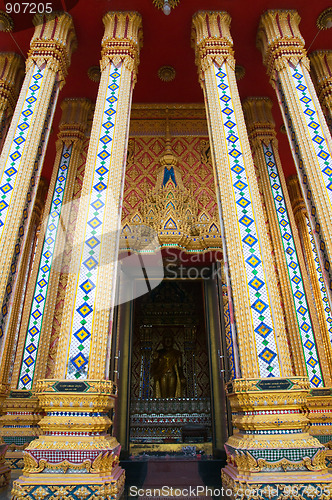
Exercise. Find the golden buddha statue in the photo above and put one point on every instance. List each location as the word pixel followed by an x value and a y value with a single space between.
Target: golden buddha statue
pixel 167 371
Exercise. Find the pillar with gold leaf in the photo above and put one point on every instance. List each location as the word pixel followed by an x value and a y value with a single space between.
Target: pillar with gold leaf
pixel 270 446
pixel 321 69
pixel 21 407
pixel 79 402
pixel 284 55
pixel 319 402
pixel 22 158
pixel 310 344
pixel 11 76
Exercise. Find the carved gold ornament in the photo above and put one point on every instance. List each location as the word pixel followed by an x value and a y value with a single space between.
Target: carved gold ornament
pixel 160 3
pixel 94 73
pixel 102 464
pixel 244 461
pixel 166 73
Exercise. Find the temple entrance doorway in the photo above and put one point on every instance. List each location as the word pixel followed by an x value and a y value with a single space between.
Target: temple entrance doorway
pixel 175 400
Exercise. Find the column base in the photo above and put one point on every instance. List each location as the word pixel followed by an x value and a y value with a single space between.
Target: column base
pixel 70 486
pixel 75 457
pixel 271 446
pixel 304 485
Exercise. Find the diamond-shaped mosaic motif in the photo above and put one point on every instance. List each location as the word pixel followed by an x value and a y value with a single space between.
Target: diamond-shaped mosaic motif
pixel 247 228
pixel 303 317
pixel 40 292
pixel 320 147
pixel 12 172
pixel 12 162
pixel 81 328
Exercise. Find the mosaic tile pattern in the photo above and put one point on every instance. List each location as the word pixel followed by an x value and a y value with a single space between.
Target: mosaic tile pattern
pixel 26 212
pixel 294 272
pixel 82 322
pixel 320 147
pixel 44 272
pixel 255 275
pixel 327 310
pixel 13 161
pixel 314 128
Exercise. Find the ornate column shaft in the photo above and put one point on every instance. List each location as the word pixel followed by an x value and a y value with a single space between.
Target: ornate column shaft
pixel 321 68
pixel 255 460
pixel 22 155
pixel 11 76
pixel 34 336
pixel 81 388
pixel 258 316
pixel 311 350
pixel 284 55
pixel 319 402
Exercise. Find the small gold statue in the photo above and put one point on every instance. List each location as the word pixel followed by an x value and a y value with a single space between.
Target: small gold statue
pixel 166 370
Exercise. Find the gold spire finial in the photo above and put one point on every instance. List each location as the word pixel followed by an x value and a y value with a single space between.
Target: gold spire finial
pixel 168 159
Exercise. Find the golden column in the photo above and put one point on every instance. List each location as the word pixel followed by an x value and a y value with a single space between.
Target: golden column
pixel 319 402
pixel 80 401
pixel 14 459
pixel 284 55
pixel 34 335
pixel 310 346
pixel 267 400
pixel 321 66
pixel 11 76
pixel 22 155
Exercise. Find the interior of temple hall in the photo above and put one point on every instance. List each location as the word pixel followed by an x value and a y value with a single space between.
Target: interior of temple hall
pixel 165 249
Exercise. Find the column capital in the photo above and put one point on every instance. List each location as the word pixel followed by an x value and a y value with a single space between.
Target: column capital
pixel 123 39
pixel 259 119
pixel 74 120
pixel 211 39
pixel 280 40
pixel 11 76
pixel 53 42
pixel 321 64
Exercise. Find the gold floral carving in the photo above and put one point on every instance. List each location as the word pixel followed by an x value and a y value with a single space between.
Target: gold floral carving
pixel 192 199
pixel 255 490
pixel 103 463
pixel 112 489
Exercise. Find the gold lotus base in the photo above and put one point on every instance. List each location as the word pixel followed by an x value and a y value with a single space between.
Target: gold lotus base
pixel 70 486
pixel 302 485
